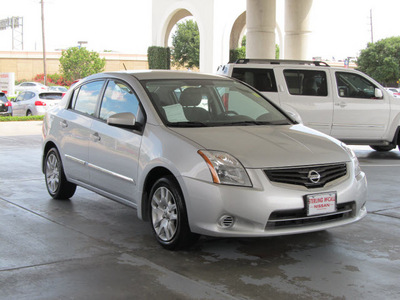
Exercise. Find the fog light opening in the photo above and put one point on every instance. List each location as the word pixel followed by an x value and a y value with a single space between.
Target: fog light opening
pixel 226 221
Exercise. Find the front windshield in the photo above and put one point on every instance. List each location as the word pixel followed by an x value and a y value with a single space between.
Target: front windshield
pixel 196 102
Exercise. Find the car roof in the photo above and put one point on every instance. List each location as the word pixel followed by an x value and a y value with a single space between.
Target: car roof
pixel 167 74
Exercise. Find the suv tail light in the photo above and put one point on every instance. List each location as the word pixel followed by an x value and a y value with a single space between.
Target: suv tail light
pixel 8 103
pixel 40 103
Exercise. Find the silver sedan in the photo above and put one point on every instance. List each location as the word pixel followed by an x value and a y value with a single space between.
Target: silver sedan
pixel 199 155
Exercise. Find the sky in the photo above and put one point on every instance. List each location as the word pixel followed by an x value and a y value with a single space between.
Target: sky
pixel 340 28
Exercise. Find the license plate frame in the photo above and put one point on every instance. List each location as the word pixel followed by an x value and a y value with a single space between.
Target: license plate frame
pixel 321 203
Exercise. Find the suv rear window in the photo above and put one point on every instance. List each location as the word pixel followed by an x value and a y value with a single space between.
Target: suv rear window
pixel 306 82
pixel 261 79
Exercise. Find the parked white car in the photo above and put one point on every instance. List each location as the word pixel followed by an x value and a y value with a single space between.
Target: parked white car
pixel 343 103
pixel 35 103
pixel 30 86
pixel 199 154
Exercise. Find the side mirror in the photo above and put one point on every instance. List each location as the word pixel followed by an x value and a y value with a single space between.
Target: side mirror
pixel 295 116
pixel 124 120
pixel 342 92
pixel 378 93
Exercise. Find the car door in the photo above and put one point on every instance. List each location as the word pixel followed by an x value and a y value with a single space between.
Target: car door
pixel 358 114
pixel 113 151
pixel 20 104
pixel 307 93
pixel 74 129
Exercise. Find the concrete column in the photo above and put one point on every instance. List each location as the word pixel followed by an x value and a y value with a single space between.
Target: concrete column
pixel 261 23
pixel 297 29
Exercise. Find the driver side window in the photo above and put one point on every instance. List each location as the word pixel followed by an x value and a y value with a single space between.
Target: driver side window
pixel 354 86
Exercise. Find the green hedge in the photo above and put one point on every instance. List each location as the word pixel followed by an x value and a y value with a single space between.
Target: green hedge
pixel 159 57
pixel 29 118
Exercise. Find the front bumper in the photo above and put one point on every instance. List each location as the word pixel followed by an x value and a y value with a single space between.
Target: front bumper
pixel 251 211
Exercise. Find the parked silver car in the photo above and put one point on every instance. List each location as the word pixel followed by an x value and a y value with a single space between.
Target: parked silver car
pixel 199 154
pixel 35 103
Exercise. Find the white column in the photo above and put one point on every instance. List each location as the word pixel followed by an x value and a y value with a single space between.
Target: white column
pixel 297 29
pixel 261 23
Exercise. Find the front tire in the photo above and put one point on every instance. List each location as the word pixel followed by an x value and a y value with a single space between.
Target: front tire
pixel 168 215
pixel 57 184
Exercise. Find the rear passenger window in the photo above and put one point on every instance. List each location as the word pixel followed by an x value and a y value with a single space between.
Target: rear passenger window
pixel 305 82
pixel 86 99
pixel 261 79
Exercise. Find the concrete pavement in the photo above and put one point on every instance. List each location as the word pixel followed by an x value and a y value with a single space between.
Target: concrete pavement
pixel 90 247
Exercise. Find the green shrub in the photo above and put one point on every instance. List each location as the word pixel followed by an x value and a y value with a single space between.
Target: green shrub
pixel 159 58
pixel 237 53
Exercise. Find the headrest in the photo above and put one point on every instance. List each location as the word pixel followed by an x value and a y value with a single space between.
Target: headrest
pixel 191 97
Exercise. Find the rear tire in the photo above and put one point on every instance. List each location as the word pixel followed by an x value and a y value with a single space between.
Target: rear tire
pixel 383 148
pixel 57 184
pixel 168 215
pixel 28 113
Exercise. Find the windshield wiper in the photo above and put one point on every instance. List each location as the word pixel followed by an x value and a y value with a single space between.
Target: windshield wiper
pixel 251 123
pixel 187 124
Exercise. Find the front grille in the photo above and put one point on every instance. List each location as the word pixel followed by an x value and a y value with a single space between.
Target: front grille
pixel 301 175
pixel 298 218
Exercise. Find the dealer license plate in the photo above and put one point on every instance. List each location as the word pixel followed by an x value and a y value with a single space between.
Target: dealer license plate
pixel 318 204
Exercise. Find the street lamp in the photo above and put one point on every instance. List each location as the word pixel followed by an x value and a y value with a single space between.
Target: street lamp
pixel 81 42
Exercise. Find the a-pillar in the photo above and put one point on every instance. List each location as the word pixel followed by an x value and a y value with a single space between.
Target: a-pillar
pixel 261 23
pixel 297 29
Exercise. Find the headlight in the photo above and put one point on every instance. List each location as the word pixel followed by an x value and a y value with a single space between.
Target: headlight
pixel 225 169
pixel 356 163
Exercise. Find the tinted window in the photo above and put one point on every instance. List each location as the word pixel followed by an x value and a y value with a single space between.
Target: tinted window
pixel 306 82
pixel 50 96
pixel 354 86
pixel 261 79
pixel 118 98
pixel 87 96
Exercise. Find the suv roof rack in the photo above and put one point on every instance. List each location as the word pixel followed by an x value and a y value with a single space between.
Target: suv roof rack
pixel 281 61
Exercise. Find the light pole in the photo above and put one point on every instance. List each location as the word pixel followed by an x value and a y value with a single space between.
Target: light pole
pixel 44 44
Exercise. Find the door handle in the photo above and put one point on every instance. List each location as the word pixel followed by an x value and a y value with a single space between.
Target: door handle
pixel 341 104
pixel 63 124
pixel 95 137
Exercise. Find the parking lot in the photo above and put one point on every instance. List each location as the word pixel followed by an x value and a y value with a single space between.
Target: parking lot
pixel 89 247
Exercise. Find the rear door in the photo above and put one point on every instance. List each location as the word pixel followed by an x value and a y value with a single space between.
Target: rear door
pixel 358 115
pixel 307 92
pixel 20 104
pixel 262 79
pixel 74 129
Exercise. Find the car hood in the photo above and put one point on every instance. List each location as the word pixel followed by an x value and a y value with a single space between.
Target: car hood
pixel 269 146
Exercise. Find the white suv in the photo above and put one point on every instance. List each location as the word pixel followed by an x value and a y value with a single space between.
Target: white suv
pixel 343 103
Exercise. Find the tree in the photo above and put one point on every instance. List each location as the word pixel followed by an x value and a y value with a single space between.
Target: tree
pixel 381 61
pixel 186 45
pixel 79 62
